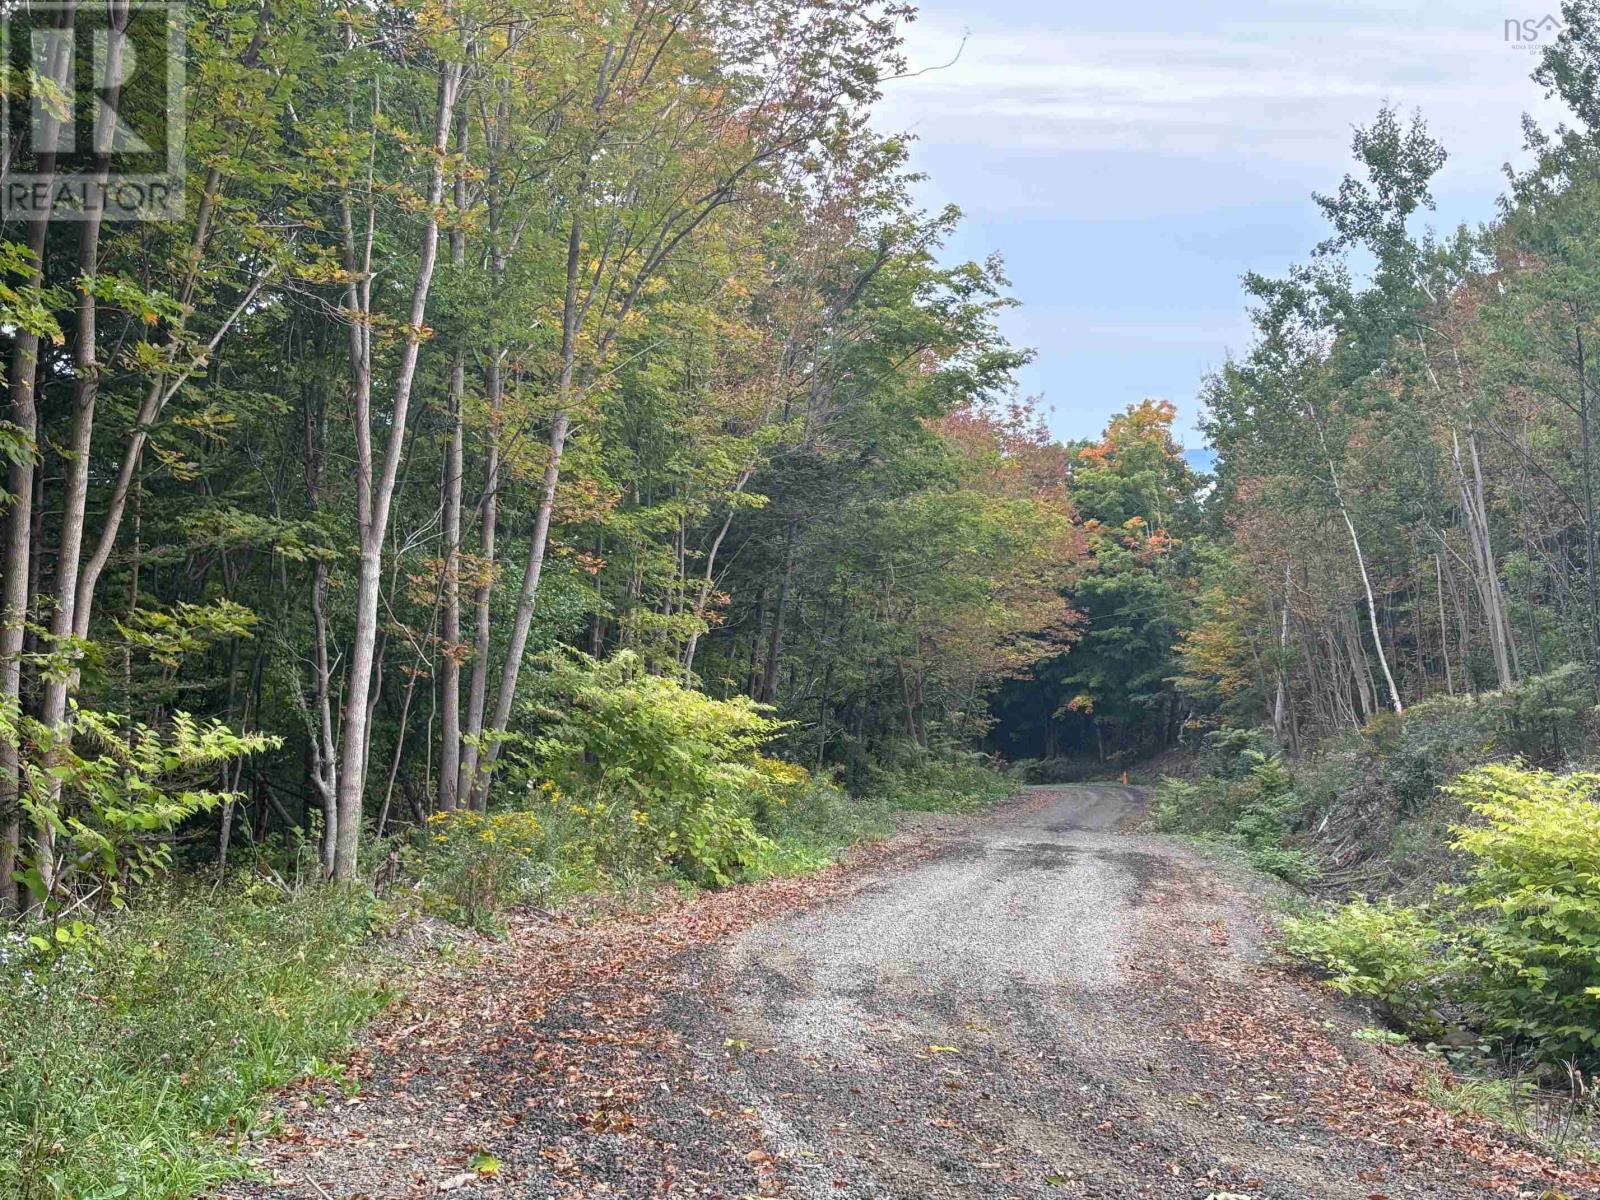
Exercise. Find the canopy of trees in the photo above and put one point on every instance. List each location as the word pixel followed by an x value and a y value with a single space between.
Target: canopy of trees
pixel 495 327
pixel 1404 499
pixel 1403 502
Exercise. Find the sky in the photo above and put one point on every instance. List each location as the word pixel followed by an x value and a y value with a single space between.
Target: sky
pixel 1132 160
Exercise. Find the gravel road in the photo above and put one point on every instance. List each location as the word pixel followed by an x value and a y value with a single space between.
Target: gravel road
pixel 1039 1002
pixel 1016 1017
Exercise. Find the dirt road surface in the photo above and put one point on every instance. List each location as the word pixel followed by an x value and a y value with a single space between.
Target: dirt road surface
pixel 1042 1004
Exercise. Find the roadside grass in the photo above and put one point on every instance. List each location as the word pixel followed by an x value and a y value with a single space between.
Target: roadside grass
pixel 816 830
pixel 135 1056
pixel 125 1054
pixel 1293 867
pixel 1563 1124
pixel 941 785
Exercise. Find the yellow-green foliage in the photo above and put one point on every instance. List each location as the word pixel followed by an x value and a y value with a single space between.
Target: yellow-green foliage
pixel 1515 949
pixel 103 788
pixel 473 864
pixel 685 770
pixel 1383 952
pixel 632 774
pixel 1535 884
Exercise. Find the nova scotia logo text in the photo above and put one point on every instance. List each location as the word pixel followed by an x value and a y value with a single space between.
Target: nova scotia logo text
pixel 1531 33
pixel 92 116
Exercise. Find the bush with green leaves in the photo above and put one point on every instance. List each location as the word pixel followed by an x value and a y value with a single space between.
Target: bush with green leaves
pixel 1515 947
pixel 109 791
pixel 1548 717
pixel 472 866
pixel 811 829
pixel 618 772
pixel 1233 753
pixel 686 767
pixel 134 1058
pixel 1530 906
pixel 926 781
pixel 1248 801
pixel 1183 806
pixel 1394 955
pixel 1243 781
pixel 1298 867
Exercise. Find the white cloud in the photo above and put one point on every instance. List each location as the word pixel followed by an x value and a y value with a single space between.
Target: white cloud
pixel 1286 92
pixel 1133 160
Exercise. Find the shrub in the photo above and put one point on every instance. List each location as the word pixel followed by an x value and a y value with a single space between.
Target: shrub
pixel 1180 806
pixel 1394 955
pixel 1292 866
pixel 1545 714
pixel 810 830
pixel 1249 802
pixel 1534 880
pixel 927 782
pixel 1266 803
pixel 684 767
pixel 472 866
pixel 1059 770
pixel 1432 742
pixel 1234 753
pixel 1515 947
pixel 1244 788
pixel 108 787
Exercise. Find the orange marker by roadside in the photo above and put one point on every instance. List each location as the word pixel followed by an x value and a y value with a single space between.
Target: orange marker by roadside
pixel 1124 779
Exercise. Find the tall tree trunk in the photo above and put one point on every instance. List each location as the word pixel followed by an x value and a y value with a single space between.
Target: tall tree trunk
pixel 1444 629
pixel 1366 586
pixel 1485 575
pixel 521 625
pixel 15 570
pixel 768 693
pixel 702 600
pixel 374 494
pixel 321 746
pixel 478 685
pixel 1459 604
pixel 85 392
pixel 161 390
pixel 1591 536
pixel 1360 668
pixel 573 310
pixel 450 634
pixel 1281 695
pixel 489 506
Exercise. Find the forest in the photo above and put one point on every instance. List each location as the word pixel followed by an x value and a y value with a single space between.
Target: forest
pixel 554 446
pixel 495 339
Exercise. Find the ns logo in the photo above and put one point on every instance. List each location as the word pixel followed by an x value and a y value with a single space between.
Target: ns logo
pixel 1531 29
